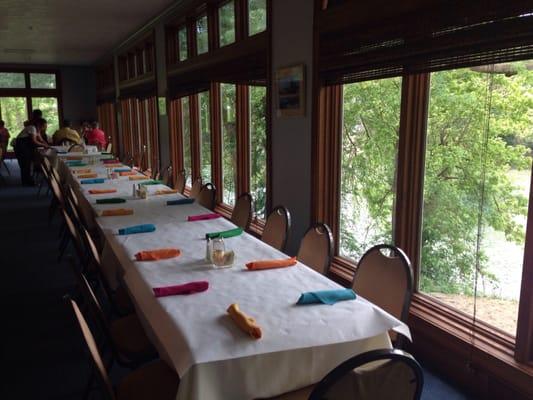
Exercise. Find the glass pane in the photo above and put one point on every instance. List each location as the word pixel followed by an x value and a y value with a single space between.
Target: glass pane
pixel 202 43
pixel 186 130
pixel 258 156
pixel 205 137
pixel 478 170
pixel 48 105
pixel 229 143
pixel 226 23
pixel 12 80
pixel 182 44
pixel 14 113
pixel 43 81
pixel 371 119
pixel 257 16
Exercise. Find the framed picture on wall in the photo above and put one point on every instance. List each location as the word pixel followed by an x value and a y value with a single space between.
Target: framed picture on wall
pixel 290 89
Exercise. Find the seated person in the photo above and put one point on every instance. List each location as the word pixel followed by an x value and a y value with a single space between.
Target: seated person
pixel 4 136
pixel 96 137
pixel 66 134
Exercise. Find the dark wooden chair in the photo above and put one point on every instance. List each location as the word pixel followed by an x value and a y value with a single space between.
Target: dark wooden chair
pixel 316 248
pixel 243 211
pixel 207 196
pixel 277 227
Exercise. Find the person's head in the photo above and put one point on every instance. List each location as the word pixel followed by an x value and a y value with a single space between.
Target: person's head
pixel 94 124
pixel 2 123
pixel 66 123
pixel 40 124
pixel 35 114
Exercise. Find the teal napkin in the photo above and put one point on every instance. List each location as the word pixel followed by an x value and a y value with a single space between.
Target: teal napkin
pixel 110 200
pixel 224 234
pixel 152 182
pixel 326 296
pixel 122 170
pixel 136 229
pixel 179 202
pixel 91 181
pixel 76 164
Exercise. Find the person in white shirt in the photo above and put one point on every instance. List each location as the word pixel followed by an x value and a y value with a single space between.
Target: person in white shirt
pixel 26 143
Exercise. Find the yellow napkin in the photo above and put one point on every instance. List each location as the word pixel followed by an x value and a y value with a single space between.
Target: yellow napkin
pixel 166 191
pixel 246 323
pixel 86 176
pixel 138 178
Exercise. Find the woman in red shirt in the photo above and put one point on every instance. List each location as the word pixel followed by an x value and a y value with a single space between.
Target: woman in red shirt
pixel 96 137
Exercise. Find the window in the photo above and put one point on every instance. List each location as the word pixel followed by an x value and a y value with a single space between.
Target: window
pixel 477 178
pixel 229 142
pixel 182 44
pixel 202 40
pixel 371 119
pixel 257 16
pixel 13 112
pixel 49 107
pixel 258 149
pixel 186 135
pixel 43 81
pixel 226 23
pixel 205 137
pixel 12 80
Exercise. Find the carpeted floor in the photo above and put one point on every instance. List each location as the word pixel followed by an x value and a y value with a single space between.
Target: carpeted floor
pixel 42 351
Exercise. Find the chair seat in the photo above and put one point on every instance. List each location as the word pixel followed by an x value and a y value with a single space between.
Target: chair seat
pixel 129 337
pixel 301 394
pixel 155 381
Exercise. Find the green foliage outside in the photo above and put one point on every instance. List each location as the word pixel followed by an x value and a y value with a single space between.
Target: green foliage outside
pixel 182 44
pixel 202 43
pixel 257 17
pixel 466 147
pixel 258 160
pixel 186 137
pixel 14 113
pixel 205 137
pixel 12 80
pixel 229 142
pixel 43 81
pixel 226 20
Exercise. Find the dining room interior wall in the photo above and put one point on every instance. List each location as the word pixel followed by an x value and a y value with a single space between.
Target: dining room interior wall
pixel 292 43
pixel 78 91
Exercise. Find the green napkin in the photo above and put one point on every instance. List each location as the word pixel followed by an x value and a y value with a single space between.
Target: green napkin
pixel 152 182
pixel 224 234
pixel 110 200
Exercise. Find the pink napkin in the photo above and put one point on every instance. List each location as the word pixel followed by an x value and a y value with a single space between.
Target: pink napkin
pixel 110 161
pixel 187 288
pixel 202 217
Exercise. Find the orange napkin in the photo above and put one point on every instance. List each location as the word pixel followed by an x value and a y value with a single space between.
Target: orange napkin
pixel 72 158
pixel 117 165
pixel 246 323
pixel 138 178
pixel 127 173
pixel 85 176
pixel 166 191
pixel 82 171
pixel 112 212
pixel 157 254
pixel 268 264
pixel 102 191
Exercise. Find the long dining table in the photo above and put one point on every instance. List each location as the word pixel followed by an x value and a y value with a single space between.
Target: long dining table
pixel 195 335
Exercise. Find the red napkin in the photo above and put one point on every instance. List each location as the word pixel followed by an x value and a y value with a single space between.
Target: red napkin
pixel 102 191
pixel 187 288
pixel 202 217
pixel 108 161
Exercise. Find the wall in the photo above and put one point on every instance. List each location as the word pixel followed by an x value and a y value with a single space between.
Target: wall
pixel 292 43
pixel 78 87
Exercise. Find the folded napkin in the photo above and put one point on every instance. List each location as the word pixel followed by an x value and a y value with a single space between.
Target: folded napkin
pixel 121 170
pixel 91 181
pixel 113 165
pixel 130 230
pixel 102 191
pixel 179 202
pixel 110 161
pixel 326 296
pixel 269 264
pixel 224 234
pixel 92 175
pixel 157 254
pixel 246 323
pixel 187 288
pixel 203 217
pixel 106 153
pixel 165 191
pixel 74 158
pixel 152 182
pixel 76 164
pixel 114 212
pixel 111 200
pixel 138 178
pixel 127 173
pixel 82 171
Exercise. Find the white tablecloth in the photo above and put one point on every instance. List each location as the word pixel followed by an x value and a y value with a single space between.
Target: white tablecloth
pixel 194 334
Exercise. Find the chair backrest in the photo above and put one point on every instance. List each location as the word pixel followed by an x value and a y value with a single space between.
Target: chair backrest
pixel 277 226
pixel 166 176
pixel 93 350
pixel 181 178
pixel 206 197
pixel 195 188
pixel 243 210
pixel 73 233
pixel 316 248
pixel 76 148
pixel 56 190
pixel 384 276
pixel 378 375
pixel 109 147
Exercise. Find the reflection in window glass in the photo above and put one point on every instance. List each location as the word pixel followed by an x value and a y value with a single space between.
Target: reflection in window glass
pixel 476 188
pixel 14 113
pixel 258 156
pixel 226 23
pixel 229 142
pixel 202 43
pixel 186 137
pixel 371 119
pixel 12 80
pixel 49 107
pixel 205 137
pixel 43 81
pixel 257 16
pixel 182 44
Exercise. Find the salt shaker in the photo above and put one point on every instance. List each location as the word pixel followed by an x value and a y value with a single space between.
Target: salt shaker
pixel 134 194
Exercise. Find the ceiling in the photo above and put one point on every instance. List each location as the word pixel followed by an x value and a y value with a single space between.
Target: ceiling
pixel 69 32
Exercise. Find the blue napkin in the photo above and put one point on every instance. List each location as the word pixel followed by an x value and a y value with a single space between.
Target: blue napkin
pixel 326 296
pixel 90 181
pixel 179 201
pixel 122 170
pixel 136 229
